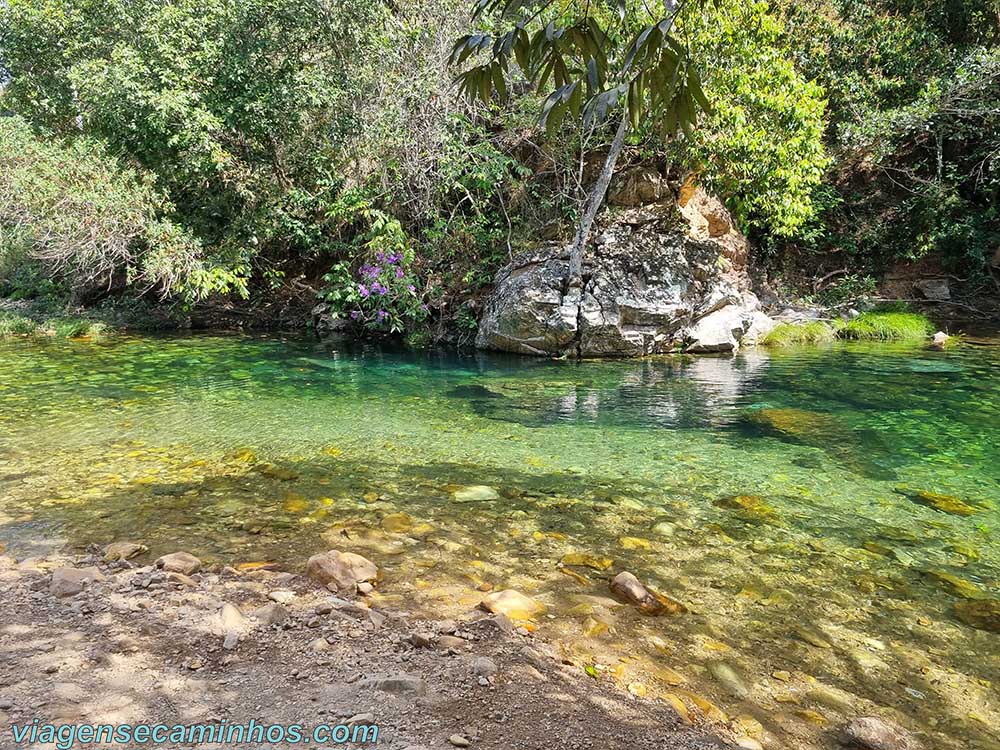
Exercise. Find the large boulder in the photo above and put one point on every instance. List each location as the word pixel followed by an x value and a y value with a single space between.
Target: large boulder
pixel 661 277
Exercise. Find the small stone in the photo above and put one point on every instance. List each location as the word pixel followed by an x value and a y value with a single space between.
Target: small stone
pixel 483 666
pixel 748 743
pixel 589 561
pixel 179 562
pixel 282 596
pixel 365 588
pixel 459 740
pixel 397 523
pixel 71 581
pixel 474 494
pixel 6 703
pixel 451 642
pixel 940 340
pixel 231 640
pixel 271 614
pixel 872 733
pixel 230 617
pixel 363 720
pixel 194 663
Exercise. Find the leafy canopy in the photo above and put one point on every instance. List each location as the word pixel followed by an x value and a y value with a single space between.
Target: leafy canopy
pixel 586 60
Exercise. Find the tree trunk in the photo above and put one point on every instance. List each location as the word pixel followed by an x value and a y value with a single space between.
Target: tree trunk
pixel 594 202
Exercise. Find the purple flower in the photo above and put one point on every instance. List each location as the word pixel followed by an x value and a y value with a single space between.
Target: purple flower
pixel 413 289
pixel 381 256
pixel 363 290
pixel 424 307
pixel 355 315
pixel 399 273
pixel 382 315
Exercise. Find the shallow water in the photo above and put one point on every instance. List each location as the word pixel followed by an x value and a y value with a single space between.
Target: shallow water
pixel 776 495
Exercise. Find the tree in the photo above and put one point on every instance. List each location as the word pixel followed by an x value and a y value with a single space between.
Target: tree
pixel 588 61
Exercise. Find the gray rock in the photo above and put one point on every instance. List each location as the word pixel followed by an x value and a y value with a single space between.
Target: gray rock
pixel 231 641
pixel 340 570
pixel 651 279
pixel 271 614
pixel 934 289
pixel 179 562
pixel 483 666
pixel 6 703
pixel 872 733
pixel 71 581
pixel 458 740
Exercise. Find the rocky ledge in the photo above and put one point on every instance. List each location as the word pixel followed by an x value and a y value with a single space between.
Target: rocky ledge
pixel 662 276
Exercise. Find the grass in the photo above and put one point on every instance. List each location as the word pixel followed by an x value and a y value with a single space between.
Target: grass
pixel 12 325
pixel 795 334
pixel 887 326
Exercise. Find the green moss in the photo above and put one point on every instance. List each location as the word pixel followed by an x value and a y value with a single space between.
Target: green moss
pixel 792 334
pixel 887 326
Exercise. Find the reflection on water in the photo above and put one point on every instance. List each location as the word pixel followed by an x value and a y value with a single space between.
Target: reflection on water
pixel 820 513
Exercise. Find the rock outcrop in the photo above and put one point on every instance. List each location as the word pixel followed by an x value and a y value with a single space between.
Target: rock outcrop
pixel 660 276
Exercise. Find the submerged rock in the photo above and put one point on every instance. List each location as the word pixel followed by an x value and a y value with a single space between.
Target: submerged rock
pixel 982 614
pixel 340 570
pixel 872 733
pixel 475 493
pixel 629 588
pixel 513 604
pixel 940 502
pixel 582 559
pixel 117 551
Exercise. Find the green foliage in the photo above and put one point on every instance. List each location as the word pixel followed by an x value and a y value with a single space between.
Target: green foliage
pixel 762 147
pixel 377 288
pixel 584 63
pixel 16 325
pixel 76 211
pixel 796 334
pixel 887 326
pixel 12 325
pixel 914 91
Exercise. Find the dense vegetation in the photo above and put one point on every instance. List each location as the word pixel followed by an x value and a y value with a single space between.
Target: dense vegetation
pixel 264 147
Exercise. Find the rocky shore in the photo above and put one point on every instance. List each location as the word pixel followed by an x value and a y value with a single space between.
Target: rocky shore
pixel 103 639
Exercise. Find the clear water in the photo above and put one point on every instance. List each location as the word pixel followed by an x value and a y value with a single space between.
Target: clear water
pixel 245 449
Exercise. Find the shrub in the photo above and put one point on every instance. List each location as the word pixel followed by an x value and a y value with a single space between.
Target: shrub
pixel 887 325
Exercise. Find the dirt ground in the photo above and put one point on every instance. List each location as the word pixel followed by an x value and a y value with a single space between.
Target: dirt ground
pixel 144 646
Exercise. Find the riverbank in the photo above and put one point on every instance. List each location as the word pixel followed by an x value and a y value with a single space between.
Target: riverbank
pixel 138 644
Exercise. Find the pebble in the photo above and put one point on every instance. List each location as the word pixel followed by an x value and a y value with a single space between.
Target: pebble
pixel 459 741
pixel 483 666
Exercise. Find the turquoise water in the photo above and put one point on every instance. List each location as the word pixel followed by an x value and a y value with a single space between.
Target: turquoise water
pixel 772 493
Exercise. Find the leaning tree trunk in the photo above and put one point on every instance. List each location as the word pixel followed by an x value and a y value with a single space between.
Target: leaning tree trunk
pixel 594 202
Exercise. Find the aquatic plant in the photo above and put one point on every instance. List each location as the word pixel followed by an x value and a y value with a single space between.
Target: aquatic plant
pixel 793 334
pixel 16 325
pixel 65 328
pixel 888 325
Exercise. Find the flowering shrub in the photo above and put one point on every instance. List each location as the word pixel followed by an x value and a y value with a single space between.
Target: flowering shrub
pixel 382 294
